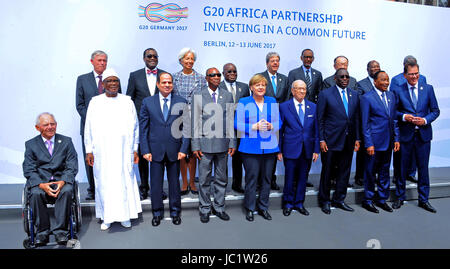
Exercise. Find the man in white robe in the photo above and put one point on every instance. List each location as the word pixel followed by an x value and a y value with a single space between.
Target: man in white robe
pixel 111 138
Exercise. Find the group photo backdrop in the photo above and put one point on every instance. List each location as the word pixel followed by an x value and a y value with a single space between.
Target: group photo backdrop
pixel 47 45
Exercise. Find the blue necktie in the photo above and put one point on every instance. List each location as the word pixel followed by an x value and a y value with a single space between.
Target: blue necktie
pixel 301 115
pixel 344 99
pixel 414 98
pixel 384 102
pixel 165 109
pixel 274 84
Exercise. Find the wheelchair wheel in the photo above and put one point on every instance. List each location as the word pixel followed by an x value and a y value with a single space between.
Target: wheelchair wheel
pixel 77 218
pixel 27 244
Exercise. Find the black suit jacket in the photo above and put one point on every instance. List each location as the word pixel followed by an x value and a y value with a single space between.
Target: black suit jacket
pixel 282 87
pixel 316 82
pixel 86 89
pixel 329 82
pixel 138 88
pixel 39 166
pixel 242 90
pixel 364 86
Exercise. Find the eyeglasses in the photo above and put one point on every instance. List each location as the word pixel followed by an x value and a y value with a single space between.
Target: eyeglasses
pixel 152 56
pixel 214 75
pixel 413 74
pixel 344 76
pixel 298 89
pixel 231 71
pixel 111 80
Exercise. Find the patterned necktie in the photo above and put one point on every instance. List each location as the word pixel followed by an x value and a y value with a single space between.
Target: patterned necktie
pixel 384 102
pixel 214 97
pixel 414 98
pixel 100 85
pixel 233 92
pixel 344 100
pixel 49 147
pixel 165 109
pixel 274 84
pixel 301 115
pixel 307 80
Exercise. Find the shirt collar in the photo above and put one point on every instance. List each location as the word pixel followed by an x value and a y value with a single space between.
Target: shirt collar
pixel 161 97
pixel 340 89
pixel 409 86
pixel 45 139
pixel 211 92
pixel 296 102
pixel 304 69
pixel 270 75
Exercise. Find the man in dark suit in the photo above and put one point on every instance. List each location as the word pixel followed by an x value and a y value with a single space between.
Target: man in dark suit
pixel 397 82
pixel 338 115
pixel 339 62
pixel 364 86
pixel 278 88
pixel 381 136
pixel 312 77
pixel 417 108
pixel 211 144
pixel 50 167
pixel 238 90
pixel 299 145
pixel 88 86
pixel 162 147
pixel 141 84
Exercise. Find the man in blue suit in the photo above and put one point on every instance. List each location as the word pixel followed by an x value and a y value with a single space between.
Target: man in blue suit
pixel 338 115
pixel 162 147
pixel 364 86
pixel 299 145
pixel 381 135
pixel 417 108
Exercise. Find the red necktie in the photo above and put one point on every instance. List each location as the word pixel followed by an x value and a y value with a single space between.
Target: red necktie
pixel 154 71
pixel 100 85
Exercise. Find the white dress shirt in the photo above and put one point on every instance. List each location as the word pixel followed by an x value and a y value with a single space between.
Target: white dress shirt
pixel 151 81
pixel 161 101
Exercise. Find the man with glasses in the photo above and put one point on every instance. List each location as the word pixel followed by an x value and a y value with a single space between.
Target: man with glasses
pixel 141 84
pixel 417 108
pixel 238 90
pixel 338 115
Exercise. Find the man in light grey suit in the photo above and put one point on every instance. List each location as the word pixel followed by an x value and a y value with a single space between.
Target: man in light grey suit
pixel 339 62
pixel 212 128
pixel 238 90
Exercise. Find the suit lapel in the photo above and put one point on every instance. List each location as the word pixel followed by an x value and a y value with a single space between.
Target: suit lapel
pixel 42 146
pixel 57 144
pixel 294 111
pixel 351 102
pixel 143 79
pixel 93 82
pixel 421 95
pixel 406 91
pixel 338 98
pixel 157 105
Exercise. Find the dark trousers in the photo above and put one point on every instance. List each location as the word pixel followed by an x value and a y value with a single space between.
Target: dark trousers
pixel 156 190
pixel 421 151
pixel 237 170
pixel 143 173
pixel 397 163
pixel 378 163
pixel 295 178
pixel 38 204
pixel 342 160
pixel 360 162
pixel 257 166
pixel 89 170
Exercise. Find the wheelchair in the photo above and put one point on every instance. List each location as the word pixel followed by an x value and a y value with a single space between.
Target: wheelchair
pixel 74 219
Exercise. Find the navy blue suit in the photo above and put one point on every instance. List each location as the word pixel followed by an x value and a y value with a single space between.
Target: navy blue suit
pixel 380 130
pixel 156 138
pixel 416 139
pixel 340 132
pixel 298 142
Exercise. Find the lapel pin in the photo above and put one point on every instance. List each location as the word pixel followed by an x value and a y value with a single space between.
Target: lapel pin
pixel 314 73
pixel 421 87
pixel 389 100
pixel 239 89
pixel 59 141
pixel 350 95
pixel 220 97
pixel 307 106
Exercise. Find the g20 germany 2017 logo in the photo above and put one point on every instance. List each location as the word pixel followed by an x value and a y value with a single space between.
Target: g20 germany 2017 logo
pixel 156 12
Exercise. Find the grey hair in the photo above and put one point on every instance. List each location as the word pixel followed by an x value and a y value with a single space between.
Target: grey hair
pixel 409 60
pixel 98 52
pixel 272 54
pixel 185 51
pixel 38 119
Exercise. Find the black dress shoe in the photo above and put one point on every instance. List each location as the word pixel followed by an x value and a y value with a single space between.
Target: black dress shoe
pixel 204 218
pixel 186 191
pixel 41 240
pixel 349 185
pixel 359 181
pixel 194 192
pixel 333 185
pixel 287 211
pixel 412 179
pixel 222 215
pixel 302 210
pixel 384 206
pixel 370 207
pixel 238 189
pixel 265 214
pixel 61 238
pixel 397 204
pixel 274 186
pixel 176 220
pixel 156 220
pixel 342 206
pixel 427 206
pixel 326 209
pixel 309 184
pixel 249 215
pixel 90 196
pixel 164 196
pixel 144 196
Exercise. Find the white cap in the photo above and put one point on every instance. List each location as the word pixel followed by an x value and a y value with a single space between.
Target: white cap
pixel 109 73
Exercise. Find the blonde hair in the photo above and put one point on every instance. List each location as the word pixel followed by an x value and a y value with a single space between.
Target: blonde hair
pixel 257 79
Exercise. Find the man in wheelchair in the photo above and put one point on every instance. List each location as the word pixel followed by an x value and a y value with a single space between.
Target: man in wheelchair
pixel 50 167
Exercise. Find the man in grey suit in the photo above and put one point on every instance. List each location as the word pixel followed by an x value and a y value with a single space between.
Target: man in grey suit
pixel 50 167
pixel 312 77
pixel 88 86
pixel 238 90
pixel 339 62
pixel 212 127
pixel 278 88
pixel 141 84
